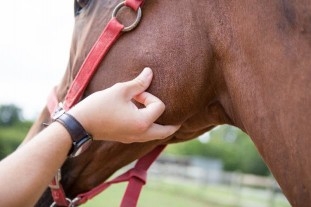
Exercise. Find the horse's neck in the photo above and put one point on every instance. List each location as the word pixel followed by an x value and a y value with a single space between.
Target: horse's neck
pixel 268 64
pixel 273 107
pixel 268 78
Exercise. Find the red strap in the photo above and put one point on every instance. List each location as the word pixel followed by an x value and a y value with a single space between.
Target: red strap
pixel 136 176
pixel 88 68
pixel 84 197
pixel 109 35
pixel 134 4
pixel 135 185
pixel 57 191
pixel 59 197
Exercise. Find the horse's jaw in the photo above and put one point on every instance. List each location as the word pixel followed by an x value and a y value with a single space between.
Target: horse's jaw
pixel 103 158
pixel 96 167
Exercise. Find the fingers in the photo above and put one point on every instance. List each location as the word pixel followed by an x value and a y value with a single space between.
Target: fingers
pixel 155 132
pixel 140 126
pixel 154 107
pixel 140 83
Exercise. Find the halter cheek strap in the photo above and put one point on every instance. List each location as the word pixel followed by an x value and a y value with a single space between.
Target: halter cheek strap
pixel 99 50
pixel 110 34
pixel 137 175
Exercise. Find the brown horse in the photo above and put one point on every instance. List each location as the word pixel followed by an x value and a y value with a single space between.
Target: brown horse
pixel 244 63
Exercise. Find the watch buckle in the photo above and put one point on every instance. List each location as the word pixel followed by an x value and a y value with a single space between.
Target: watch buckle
pixel 58 111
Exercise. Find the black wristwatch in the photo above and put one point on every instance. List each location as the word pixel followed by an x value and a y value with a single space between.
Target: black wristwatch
pixel 81 140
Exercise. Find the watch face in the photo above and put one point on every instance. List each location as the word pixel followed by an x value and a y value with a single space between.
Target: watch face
pixel 81 146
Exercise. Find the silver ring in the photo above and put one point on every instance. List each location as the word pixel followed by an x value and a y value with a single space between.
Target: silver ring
pixel 137 20
pixel 54 203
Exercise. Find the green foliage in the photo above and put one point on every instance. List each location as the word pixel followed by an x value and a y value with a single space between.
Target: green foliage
pixel 11 137
pixel 9 114
pixel 12 129
pixel 229 144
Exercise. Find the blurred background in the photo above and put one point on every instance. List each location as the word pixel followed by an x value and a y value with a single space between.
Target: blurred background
pixel 219 168
pixel 34 49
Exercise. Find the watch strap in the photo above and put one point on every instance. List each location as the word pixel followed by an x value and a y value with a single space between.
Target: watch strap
pixel 73 126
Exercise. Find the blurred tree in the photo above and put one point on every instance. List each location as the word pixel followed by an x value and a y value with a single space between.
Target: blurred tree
pixel 229 144
pixel 12 128
pixel 9 115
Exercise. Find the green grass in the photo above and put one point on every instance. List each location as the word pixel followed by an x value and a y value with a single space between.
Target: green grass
pixel 161 192
pixel 10 138
pixel 13 133
pixel 150 196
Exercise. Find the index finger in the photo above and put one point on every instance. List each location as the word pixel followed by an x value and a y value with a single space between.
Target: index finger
pixel 154 107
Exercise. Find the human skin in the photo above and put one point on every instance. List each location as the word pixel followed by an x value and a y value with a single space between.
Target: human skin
pixel 27 172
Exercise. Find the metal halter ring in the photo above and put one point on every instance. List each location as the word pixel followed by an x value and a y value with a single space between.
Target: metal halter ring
pixel 72 203
pixel 54 204
pixel 137 20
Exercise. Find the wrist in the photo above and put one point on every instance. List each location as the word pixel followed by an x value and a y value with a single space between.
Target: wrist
pixel 81 118
pixel 81 139
pixel 64 134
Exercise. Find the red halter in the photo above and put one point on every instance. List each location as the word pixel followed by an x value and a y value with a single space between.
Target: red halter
pixel 137 175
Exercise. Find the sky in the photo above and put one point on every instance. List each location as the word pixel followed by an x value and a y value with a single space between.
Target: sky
pixel 35 38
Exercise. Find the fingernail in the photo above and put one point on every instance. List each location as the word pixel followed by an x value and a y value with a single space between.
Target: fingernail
pixel 146 73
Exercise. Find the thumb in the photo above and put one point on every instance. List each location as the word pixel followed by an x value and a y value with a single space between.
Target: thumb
pixel 140 83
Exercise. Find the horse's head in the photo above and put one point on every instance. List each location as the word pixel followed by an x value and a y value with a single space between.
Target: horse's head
pixel 174 43
pixel 170 40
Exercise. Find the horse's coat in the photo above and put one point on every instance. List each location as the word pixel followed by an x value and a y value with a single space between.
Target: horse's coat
pixel 245 63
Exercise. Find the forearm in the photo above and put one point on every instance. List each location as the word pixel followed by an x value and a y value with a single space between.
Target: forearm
pixel 27 172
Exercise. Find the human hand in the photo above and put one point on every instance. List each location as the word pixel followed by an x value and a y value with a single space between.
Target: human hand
pixel 111 115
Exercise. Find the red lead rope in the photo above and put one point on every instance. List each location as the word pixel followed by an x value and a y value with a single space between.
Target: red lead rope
pixel 137 175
